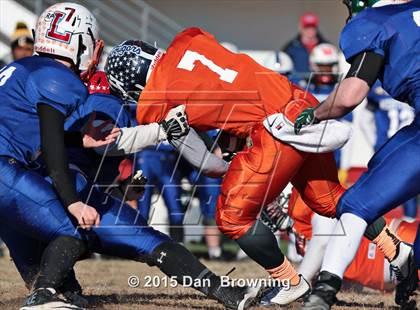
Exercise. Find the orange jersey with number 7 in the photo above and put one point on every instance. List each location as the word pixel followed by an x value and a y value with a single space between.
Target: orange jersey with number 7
pixel 221 89
pixel 232 92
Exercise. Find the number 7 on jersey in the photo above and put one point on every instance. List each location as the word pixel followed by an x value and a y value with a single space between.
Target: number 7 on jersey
pixel 187 62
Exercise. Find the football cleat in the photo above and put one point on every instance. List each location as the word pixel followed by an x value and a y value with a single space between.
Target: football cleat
pixel 282 296
pixel 47 298
pixel 237 298
pixel 405 270
pixel 323 295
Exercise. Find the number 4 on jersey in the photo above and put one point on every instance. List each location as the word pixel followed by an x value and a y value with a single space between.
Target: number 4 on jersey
pixel 5 74
pixel 187 62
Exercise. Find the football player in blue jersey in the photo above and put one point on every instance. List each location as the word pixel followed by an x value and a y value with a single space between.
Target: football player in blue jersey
pixel 381 42
pixel 389 115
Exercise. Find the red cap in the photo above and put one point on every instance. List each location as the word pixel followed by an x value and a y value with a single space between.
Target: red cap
pixel 309 20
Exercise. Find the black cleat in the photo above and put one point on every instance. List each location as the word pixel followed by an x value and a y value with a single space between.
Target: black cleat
pixel 237 298
pixel 324 293
pixel 47 298
pixel 406 275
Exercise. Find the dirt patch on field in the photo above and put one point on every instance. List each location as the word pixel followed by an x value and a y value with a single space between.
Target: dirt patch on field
pixel 105 283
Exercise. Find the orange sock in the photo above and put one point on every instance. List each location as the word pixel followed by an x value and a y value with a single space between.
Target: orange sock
pixel 285 271
pixel 387 242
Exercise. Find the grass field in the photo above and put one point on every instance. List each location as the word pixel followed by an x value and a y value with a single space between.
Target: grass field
pixel 105 285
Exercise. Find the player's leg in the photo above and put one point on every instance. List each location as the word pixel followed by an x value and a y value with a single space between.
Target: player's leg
pixel 392 178
pixel 417 248
pixel 146 161
pixel 26 252
pixel 170 185
pixel 318 184
pixel 124 233
pixel 208 192
pixel 410 209
pixel 29 205
pixel 322 229
pixel 256 176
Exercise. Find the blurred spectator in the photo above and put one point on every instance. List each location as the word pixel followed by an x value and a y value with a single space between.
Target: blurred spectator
pixel 22 44
pixel 300 47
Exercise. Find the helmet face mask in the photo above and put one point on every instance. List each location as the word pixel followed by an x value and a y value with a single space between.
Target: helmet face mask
pixel 67 31
pixel 128 67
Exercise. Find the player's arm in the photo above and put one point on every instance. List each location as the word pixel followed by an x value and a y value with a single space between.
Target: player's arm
pixel 54 154
pixel 195 151
pixel 133 139
pixel 364 71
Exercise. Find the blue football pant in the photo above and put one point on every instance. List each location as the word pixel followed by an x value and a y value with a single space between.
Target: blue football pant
pixel 417 248
pixel 393 177
pixel 208 190
pixel 31 212
pixel 160 169
pixel 410 208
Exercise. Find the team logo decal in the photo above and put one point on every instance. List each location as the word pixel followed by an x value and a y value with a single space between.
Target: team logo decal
pixel 57 17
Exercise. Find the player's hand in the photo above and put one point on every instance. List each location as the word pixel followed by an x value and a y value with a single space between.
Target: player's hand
pixel 306 118
pixel 100 135
pixel 86 215
pixel 175 124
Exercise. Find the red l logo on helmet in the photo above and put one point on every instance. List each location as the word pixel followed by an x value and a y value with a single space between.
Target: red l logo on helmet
pixel 54 34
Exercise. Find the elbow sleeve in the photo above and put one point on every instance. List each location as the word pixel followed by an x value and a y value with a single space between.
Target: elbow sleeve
pixel 54 153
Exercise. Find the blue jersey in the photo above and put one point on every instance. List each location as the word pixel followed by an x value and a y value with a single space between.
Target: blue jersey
pixel 390 115
pixel 107 107
pixel 392 31
pixel 23 85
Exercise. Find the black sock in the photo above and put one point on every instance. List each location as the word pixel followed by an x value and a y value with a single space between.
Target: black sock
pixel 58 260
pixel 174 260
pixel 177 233
pixel 374 229
pixel 260 244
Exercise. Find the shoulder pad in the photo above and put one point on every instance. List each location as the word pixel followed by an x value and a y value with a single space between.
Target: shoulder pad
pixel 365 32
pixel 56 85
pixel 107 107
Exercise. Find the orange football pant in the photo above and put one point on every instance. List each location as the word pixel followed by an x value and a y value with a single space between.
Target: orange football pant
pixel 259 173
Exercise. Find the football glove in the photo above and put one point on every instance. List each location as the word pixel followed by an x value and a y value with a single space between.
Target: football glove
pixel 276 214
pixel 134 188
pixel 175 125
pixel 305 118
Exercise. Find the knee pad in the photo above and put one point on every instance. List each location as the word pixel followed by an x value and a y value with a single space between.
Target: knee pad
pixel 231 223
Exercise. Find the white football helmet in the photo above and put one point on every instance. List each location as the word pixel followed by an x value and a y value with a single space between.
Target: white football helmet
pixel 324 54
pixel 68 30
pixel 282 64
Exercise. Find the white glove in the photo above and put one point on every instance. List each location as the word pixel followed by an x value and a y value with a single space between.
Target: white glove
pixel 175 124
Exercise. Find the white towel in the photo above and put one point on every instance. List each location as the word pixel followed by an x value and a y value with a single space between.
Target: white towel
pixel 326 136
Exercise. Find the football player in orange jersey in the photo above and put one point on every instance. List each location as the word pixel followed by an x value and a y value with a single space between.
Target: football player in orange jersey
pixel 369 267
pixel 231 92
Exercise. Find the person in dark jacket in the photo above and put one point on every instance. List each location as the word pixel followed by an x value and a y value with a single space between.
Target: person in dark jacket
pixel 301 46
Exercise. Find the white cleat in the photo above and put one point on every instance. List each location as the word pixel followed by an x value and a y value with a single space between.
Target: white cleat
pixel 405 270
pixel 285 295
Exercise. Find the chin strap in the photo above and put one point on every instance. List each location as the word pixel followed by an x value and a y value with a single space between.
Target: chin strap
pixel 88 73
pixel 349 8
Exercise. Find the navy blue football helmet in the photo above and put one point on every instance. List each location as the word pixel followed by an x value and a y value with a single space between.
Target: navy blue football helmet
pixel 128 66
